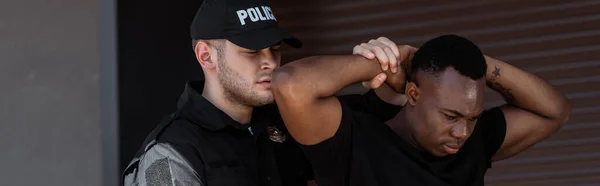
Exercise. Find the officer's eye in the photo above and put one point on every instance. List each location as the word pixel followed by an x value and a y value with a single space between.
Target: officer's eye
pixel 275 48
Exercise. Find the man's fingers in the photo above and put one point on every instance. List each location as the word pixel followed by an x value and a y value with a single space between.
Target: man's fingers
pixel 387 53
pixel 356 49
pixel 366 84
pixel 368 54
pixel 379 53
pixel 392 57
pixel 376 82
pixel 359 50
pixel 393 61
pixel 390 44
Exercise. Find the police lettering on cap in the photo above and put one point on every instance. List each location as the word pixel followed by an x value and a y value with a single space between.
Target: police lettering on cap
pixel 255 14
pixel 247 23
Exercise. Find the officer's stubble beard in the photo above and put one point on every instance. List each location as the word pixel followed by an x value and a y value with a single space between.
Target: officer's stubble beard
pixel 237 89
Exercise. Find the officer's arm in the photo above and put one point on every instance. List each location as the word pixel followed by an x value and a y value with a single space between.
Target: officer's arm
pixel 534 109
pixel 163 165
pixel 304 91
pixel 389 96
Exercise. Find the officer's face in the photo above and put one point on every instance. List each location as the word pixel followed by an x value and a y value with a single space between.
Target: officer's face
pixel 447 110
pixel 246 74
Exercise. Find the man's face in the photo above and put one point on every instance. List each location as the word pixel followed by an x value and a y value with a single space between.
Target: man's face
pixel 448 108
pixel 246 74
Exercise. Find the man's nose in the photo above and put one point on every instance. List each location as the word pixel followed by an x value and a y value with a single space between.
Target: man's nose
pixel 460 131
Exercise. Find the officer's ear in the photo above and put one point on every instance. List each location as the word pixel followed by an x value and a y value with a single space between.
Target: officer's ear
pixel 203 54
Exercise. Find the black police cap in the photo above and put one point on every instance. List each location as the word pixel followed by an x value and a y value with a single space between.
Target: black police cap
pixel 246 23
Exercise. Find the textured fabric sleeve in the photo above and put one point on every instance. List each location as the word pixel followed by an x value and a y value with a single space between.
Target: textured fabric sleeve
pixel 331 158
pixel 494 131
pixel 370 103
pixel 163 165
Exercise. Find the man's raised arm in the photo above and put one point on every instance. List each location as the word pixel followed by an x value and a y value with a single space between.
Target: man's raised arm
pixel 534 111
pixel 304 91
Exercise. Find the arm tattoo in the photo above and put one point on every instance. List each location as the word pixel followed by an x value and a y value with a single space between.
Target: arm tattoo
pixel 505 91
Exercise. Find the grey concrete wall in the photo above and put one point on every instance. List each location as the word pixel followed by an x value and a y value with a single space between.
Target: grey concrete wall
pixel 50 77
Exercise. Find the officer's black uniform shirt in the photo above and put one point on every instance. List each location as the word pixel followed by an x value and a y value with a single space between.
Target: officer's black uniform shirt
pixel 210 148
pixel 365 151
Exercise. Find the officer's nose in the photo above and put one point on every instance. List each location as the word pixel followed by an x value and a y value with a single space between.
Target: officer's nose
pixel 268 61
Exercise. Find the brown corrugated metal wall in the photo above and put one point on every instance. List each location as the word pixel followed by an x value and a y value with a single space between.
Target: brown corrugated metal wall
pixel 558 40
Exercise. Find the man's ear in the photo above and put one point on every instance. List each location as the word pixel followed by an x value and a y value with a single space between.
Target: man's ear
pixel 412 93
pixel 203 53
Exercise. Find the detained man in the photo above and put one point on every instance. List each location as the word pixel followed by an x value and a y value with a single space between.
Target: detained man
pixel 442 136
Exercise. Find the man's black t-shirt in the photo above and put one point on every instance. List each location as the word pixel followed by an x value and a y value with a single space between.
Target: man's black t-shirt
pixel 365 151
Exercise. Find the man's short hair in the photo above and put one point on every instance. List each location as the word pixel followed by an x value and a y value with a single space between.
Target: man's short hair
pixel 437 54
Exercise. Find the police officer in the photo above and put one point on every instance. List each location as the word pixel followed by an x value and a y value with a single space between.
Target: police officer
pixel 226 130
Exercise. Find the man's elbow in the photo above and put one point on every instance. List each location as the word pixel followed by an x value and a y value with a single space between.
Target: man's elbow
pixel 284 84
pixel 562 115
pixel 566 113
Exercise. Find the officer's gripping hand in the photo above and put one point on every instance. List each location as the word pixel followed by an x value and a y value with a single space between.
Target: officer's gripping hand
pixel 392 57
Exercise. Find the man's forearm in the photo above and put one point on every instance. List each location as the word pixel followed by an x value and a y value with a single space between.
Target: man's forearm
pixel 323 76
pixel 525 90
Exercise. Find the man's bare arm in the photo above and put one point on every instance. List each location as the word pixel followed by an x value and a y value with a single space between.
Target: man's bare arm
pixel 534 109
pixel 304 91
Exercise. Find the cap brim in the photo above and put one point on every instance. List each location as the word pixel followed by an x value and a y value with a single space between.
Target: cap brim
pixel 264 38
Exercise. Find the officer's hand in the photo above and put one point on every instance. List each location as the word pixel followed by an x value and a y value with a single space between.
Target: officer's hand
pixel 386 53
pixel 391 56
pixel 383 49
pixel 397 81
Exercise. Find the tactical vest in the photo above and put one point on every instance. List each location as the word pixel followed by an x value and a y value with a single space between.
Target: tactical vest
pixel 218 169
